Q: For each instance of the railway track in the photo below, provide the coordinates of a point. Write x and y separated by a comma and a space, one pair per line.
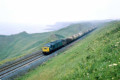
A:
12, 67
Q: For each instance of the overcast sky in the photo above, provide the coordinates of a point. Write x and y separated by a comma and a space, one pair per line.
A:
46, 12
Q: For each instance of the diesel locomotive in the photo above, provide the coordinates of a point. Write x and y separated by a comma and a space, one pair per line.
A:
55, 45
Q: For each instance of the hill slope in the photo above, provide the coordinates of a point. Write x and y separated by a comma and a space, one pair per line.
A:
97, 57
14, 46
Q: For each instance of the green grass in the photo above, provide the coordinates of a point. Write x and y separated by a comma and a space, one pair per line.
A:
15, 46
97, 57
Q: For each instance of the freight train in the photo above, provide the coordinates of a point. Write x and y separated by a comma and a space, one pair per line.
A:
55, 45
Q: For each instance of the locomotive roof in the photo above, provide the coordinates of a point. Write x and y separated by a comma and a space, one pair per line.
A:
52, 43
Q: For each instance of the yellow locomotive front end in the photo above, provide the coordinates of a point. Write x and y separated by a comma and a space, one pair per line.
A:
45, 49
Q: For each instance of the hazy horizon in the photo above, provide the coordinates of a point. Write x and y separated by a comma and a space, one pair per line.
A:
14, 28
40, 13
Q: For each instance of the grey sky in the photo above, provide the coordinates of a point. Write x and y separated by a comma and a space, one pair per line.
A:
44, 12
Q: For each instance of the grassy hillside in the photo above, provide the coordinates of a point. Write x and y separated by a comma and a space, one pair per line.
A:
97, 57
14, 46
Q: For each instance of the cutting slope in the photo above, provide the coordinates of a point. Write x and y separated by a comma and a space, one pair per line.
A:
97, 57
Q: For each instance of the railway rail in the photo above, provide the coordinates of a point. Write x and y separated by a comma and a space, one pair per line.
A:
11, 67
14, 64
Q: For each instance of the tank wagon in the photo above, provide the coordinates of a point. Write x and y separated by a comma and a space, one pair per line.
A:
55, 45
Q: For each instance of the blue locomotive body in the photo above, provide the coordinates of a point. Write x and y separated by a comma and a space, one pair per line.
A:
52, 46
